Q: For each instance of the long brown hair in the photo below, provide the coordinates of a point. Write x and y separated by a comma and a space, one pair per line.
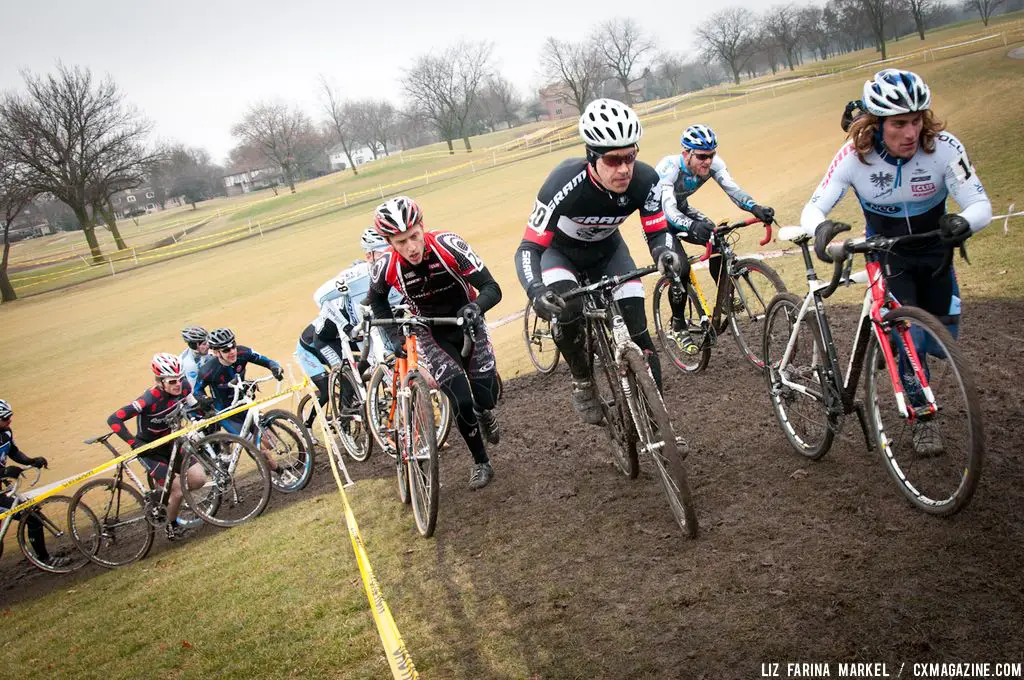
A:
865, 128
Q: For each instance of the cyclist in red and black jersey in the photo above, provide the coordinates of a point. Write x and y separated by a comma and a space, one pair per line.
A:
157, 414
574, 229
438, 274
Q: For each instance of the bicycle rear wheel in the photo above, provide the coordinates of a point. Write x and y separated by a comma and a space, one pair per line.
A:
799, 405
284, 439
658, 437
379, 405
673, 342
109, 524
540, 343
62, 553
236, 474
424, 475
936, 461
350, 415
754, 285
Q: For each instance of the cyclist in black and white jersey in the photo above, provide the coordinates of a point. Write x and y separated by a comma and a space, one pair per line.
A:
902, 165
680, 176
574, 229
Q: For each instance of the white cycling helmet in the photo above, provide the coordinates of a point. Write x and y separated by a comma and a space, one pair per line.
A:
166, 365
5, 410
611, 124
892, 92
699, 138
194, 334
372, 241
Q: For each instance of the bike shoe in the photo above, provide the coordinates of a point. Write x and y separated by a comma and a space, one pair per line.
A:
480, 475
175, 532
584, 400
927, 442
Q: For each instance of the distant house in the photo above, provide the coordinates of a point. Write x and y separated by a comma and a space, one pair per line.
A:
339, 161
242, 181
138, 201
557, 101
30, 223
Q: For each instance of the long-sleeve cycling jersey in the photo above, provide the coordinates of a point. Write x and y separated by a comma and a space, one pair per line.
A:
156, 412
8, 449
216, 375
341, 310
900, 196
449, 276
191, 362
676, 184
573, 210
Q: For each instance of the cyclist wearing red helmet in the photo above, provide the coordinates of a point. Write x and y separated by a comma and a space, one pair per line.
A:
438, 274
157, 414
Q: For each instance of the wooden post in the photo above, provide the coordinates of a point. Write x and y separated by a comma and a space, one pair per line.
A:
381, 191
344, 197
135, 255
110, 261
1006, 221
259, 225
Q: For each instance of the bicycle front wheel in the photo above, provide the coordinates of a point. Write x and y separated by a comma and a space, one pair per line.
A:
48, 522
285, 440
108, 523
936, 457
237, 479
540, 342
754, 285
380, 405
797, 390
689, 348
658, 437
350, 415
616, 412
424, 476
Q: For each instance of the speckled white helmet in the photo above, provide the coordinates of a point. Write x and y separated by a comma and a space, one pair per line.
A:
892, 92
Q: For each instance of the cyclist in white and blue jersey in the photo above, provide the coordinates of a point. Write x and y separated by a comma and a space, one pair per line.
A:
197, 353
902, 166
680, 176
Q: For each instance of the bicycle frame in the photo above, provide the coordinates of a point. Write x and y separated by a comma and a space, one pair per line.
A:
18, 499
839, 392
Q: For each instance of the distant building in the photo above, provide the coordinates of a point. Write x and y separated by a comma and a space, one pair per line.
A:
139, 201
242, 181
557, 101
339, 161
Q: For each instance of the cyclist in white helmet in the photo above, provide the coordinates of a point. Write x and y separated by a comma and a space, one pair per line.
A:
574, 229
902, 165
197, 353
680, 176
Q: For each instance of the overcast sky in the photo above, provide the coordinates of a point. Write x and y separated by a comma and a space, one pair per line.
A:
193, 66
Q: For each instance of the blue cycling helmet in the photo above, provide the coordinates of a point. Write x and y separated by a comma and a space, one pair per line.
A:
893, 92
699, 138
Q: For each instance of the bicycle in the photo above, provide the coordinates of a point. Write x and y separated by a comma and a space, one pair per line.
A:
114, 521
380, 404
540, 343
635, 415
47, 520
929, 389
279, 435
410, 422
744, 289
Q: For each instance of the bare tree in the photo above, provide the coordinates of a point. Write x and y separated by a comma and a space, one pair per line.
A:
501, 96
576, 66
877, 13
445, 87
334, 108
622, 46
125, 164
919, 9
67, 131
729, 37
279, 132
782, 24
14, 196
382, 123
984, 7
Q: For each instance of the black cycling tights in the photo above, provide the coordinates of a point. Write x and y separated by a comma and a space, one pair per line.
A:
35, 529
464, 392
571, 335
321, 396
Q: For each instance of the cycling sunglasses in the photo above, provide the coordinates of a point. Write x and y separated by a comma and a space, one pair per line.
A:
229, 348
616, 161
172, 381
703, 156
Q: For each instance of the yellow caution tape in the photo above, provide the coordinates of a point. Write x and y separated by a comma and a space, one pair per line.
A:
71, 481
402, 666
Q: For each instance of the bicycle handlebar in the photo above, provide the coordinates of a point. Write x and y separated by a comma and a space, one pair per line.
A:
609, 282
873, 244
468, 332
15, 482
725, 227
